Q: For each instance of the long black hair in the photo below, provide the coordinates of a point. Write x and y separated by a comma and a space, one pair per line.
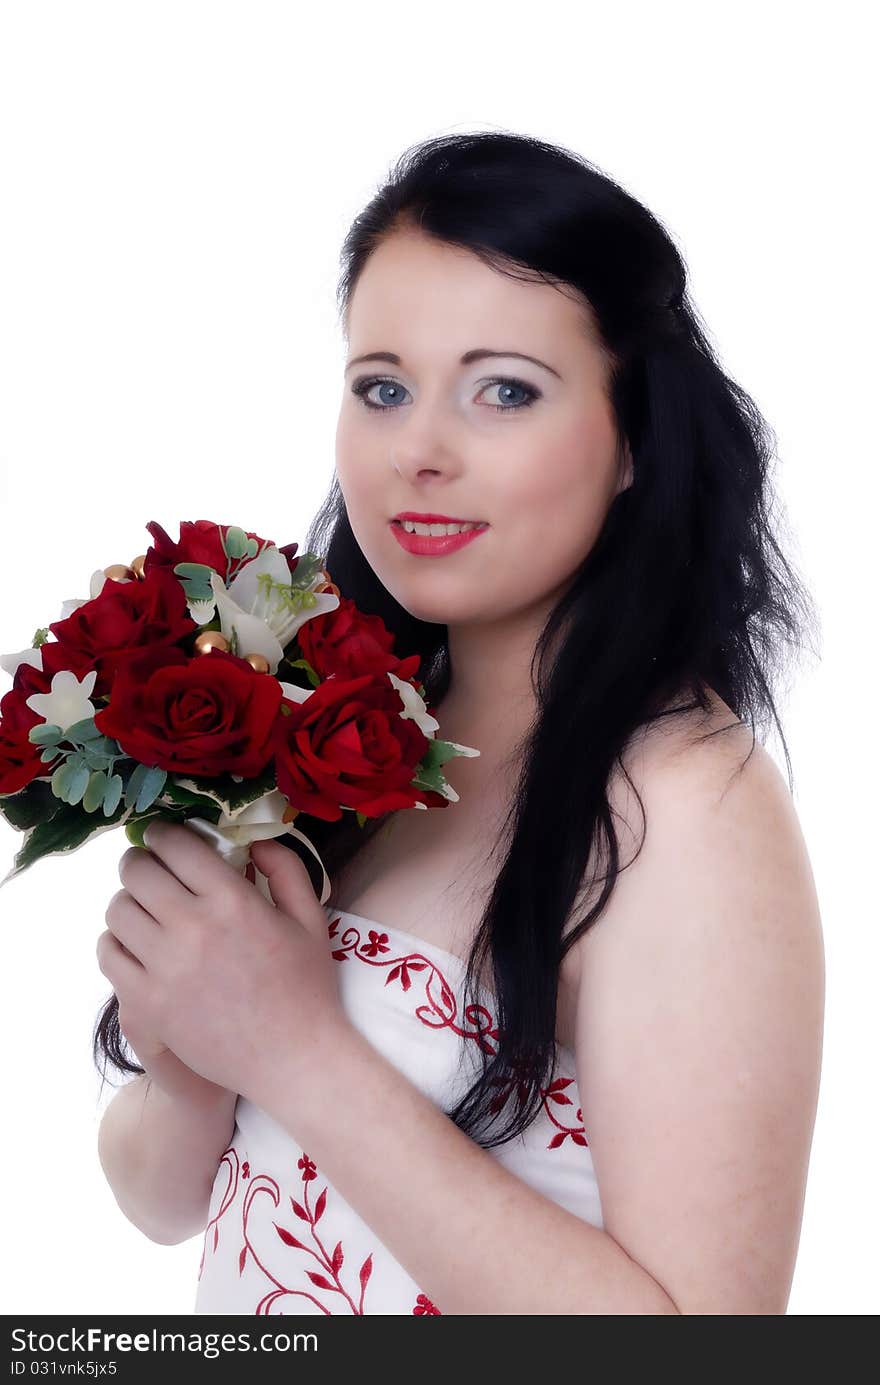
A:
686, 588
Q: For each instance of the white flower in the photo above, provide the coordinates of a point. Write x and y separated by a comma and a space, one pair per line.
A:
10, 662
201, 611
68, 702
263, 620
295, 694
414, 707
96, 586
34, 657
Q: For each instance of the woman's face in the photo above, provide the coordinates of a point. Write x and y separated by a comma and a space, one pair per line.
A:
447, 438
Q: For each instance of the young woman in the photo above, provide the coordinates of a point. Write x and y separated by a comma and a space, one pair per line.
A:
574, 1063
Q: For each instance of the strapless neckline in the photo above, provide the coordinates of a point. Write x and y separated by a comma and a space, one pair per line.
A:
421, 944
380, 927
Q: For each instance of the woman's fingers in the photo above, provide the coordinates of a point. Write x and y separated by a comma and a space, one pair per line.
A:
195, 862
135, 929
121, 969
151, 884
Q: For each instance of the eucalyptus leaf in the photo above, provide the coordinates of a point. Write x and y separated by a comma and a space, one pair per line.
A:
79, 782
133, 787
94, 794
50, 753
152, 786
236, 542
195, 591
198, 572
112, 794
46, 733
84, 730
60, 780
97, 758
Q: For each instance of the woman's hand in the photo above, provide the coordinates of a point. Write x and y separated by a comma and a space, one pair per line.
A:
205, 966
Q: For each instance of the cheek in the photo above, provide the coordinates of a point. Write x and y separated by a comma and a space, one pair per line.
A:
556, 504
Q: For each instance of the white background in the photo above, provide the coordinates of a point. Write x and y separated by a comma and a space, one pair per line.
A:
176, 179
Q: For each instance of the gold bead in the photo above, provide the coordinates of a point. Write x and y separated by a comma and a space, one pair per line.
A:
257, 662
210, 639
119, 572
137, 566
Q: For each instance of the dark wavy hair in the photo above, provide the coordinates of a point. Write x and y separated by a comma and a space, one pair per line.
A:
686, 587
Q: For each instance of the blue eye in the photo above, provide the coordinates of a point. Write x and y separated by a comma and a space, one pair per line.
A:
362, 388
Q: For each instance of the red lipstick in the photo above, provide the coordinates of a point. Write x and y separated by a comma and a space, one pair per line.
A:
428, 546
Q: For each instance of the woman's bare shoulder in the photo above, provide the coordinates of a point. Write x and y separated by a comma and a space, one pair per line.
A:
677, 767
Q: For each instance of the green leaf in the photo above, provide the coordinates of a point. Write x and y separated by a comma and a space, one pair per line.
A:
310, 672
196, 572
32, 804
60, 781
94, 794
307, 569
79, 782
235, 544
152, 786
65, 831
195, 594
224, 790
187, 799
50, 753
84, 730
361, 818
96, 757
144, 785
112, 794
136, 827
46, 733
437, 753
251, 550
133, 787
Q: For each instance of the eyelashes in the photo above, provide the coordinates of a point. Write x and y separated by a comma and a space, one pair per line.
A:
362, 388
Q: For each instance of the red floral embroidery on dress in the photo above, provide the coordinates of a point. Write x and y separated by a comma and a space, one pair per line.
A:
442, 1007
424, 1305
441, 1012
331, 1263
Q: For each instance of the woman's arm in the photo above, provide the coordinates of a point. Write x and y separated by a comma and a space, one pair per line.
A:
160, 1150
700, 1030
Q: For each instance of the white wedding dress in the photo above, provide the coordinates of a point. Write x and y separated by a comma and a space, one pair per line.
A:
280, 1238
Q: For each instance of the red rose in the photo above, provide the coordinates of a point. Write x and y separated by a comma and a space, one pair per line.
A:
28, 680
348, 744
347, 642
201, 541
208, 715
123, 620
20, 759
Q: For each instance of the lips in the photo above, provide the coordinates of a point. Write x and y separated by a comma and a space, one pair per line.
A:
431, 546
434, 519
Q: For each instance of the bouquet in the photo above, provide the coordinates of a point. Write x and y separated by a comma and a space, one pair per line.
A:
219, 681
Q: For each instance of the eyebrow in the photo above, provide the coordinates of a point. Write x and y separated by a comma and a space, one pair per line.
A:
480, 353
